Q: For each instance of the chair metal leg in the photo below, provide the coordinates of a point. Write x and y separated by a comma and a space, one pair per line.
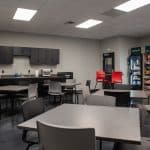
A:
95, 85
148, 99
29, 145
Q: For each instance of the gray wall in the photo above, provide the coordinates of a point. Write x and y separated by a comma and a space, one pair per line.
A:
144, 41
82, 56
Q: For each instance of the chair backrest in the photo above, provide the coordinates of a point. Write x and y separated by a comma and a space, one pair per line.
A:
70, 80
101, 100
54, 87
85, 93
100, 75
122, 98
116, 77
57, 138
32, 108
33, 91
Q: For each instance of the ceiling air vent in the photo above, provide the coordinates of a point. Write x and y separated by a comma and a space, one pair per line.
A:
69, 22
113, 13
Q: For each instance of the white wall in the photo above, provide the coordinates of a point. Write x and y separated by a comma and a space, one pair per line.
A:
78, 55
119, 45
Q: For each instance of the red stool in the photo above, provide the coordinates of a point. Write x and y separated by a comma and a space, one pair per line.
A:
116, 77
100, 76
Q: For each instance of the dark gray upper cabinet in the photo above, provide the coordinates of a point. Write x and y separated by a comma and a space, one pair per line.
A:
34, 58
41, 56
22, 51
37, 56
6, 55
48, 57
55, 56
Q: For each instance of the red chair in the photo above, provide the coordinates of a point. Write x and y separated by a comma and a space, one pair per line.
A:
116, 77
100, 76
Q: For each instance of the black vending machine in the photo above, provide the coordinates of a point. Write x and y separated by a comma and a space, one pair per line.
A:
135, 68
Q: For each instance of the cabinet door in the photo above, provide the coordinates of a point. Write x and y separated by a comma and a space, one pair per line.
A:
25, 51
42, 56
55, 56
6, 55
17, 51
48, 58
21, 51
34, 60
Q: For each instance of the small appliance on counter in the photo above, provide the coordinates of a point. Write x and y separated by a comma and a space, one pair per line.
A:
45, 72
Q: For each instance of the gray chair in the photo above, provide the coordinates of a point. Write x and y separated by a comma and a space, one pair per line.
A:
2, 97
145, 145
144, 119
71, 91
30, 109
88, 83
85, 93
55, 89
32, 92
101, 100
59, 138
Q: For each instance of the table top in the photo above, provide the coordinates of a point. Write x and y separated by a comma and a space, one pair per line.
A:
13, 88
110, 123
67, 84
70, 84
133, 93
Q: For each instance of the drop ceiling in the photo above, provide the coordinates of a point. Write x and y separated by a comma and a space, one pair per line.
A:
52, 15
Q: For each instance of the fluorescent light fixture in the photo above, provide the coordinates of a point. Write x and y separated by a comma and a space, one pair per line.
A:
132, 5
89, 23
24, 14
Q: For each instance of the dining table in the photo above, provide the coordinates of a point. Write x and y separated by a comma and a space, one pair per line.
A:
117, 124
11, 91
134, 94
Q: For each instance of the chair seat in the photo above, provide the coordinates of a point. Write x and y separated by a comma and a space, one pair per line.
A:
32, 136
145, 145
146, 108
26, 98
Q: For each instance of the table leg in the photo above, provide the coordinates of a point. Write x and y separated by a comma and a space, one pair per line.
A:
76, 96
116, 146
100, 144
0, 109
12, 104
148, 99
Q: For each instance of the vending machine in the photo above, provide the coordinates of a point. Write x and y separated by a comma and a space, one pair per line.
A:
135, 69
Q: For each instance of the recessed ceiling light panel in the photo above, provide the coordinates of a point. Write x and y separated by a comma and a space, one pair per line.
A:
24, 14
132, 5
89, 23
